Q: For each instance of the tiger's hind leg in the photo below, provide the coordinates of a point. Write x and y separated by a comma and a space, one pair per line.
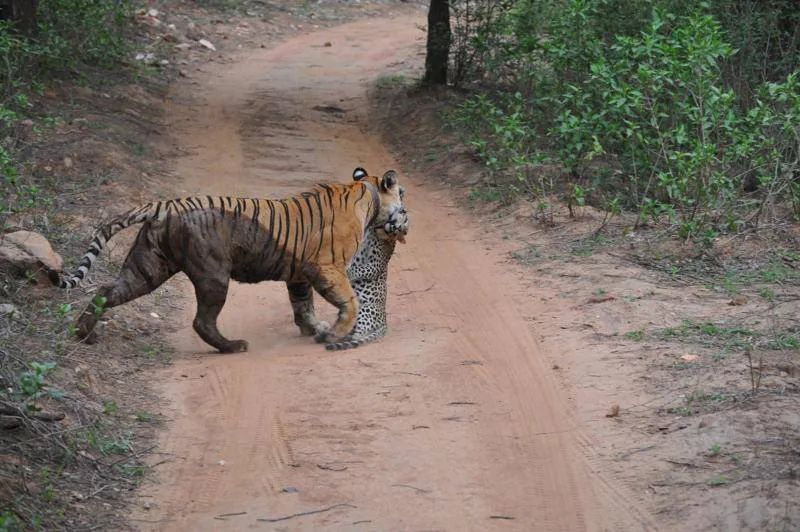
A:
144, 270
301, 295
211, 291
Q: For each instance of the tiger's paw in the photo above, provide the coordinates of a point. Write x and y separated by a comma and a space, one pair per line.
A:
84, 329
326, 337
235, 346
321, 327
314, 328
89, 338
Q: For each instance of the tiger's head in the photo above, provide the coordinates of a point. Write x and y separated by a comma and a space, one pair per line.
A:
392, 218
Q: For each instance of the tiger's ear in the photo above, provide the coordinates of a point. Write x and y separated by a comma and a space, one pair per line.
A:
389, 180
359, 174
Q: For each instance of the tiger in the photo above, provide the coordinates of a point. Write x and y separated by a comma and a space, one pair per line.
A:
368, 275
307, 241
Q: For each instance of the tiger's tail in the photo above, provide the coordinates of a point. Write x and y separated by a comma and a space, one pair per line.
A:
102, 236
355, 341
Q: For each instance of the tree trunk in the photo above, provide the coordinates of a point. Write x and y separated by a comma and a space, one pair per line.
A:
438, 48
21, 12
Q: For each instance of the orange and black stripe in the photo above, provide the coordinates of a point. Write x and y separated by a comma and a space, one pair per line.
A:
287, 233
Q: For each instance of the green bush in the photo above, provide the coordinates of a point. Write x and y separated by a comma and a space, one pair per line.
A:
70, 35
647, 118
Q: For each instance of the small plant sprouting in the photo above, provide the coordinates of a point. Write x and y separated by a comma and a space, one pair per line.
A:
719, 480
110, 407
32, 382
755, 372
143, 417
108, 444
63, 310
637, 336
99, 304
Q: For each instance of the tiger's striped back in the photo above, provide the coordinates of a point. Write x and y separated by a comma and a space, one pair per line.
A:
324, 224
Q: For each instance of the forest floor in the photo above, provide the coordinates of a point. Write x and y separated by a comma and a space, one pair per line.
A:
535, 377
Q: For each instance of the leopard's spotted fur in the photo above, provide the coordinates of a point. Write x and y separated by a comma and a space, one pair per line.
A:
368, 273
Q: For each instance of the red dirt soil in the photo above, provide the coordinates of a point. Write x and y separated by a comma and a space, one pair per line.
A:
454, 421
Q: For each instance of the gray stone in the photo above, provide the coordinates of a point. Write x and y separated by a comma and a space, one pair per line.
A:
25, 253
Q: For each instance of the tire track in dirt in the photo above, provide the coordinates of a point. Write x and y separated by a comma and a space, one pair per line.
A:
452, 419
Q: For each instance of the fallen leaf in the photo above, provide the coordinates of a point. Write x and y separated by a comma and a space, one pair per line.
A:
600, 299
738, 301
206, 43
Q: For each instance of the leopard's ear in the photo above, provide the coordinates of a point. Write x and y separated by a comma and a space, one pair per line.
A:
359, 174
389, 180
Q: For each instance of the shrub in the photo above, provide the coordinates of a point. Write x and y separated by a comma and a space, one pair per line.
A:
70, 35
650, 108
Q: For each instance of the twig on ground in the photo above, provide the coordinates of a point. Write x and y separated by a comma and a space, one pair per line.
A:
418, 490
300, 514
331, 468
222, 517
415, 291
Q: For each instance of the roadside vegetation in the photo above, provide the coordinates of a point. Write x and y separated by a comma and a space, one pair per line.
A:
642, 161
685, 114
71, 433
61, 40
82, 136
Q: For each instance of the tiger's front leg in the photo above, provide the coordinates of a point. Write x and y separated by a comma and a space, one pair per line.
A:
301, 295
335, 287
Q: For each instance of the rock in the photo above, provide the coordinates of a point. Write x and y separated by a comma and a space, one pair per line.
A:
738, 301
26, 253
194, 35
207, 44
147, 58
25, 130
86, 381
10, 422
7, 309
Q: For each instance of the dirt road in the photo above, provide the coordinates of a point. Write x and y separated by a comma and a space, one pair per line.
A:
452, 422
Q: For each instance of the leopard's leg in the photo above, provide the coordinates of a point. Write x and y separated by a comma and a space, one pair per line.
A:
301, 295
145, 269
